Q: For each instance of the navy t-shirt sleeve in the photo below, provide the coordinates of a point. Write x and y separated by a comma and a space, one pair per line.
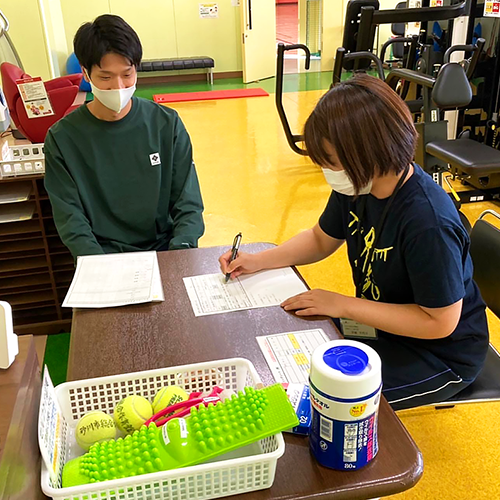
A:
434, 260
331, 221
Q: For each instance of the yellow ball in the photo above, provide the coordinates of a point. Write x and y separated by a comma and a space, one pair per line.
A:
168, 396
93, 427
131, 412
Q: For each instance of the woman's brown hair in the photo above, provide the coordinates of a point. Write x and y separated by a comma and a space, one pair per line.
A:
368, 125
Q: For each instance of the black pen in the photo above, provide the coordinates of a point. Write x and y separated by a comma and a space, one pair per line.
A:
234, 252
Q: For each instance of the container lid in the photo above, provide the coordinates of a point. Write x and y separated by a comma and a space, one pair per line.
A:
345, 369
347, 359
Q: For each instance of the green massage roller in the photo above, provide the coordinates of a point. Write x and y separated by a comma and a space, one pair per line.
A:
207, 432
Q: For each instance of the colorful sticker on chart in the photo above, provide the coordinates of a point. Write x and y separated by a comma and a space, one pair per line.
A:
294, 342
300, 359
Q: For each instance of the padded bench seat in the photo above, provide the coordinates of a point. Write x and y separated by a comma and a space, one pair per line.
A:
180, 63
470, 156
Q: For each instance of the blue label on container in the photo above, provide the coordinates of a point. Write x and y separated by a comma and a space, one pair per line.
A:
343, 445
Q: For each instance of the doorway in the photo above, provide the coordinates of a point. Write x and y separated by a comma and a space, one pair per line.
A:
299, 21
287, 21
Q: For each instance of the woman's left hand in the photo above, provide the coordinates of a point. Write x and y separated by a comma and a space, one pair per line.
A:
317, 303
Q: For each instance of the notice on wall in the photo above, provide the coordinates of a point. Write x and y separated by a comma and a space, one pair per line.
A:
492, 8
436, 3
34, 96
209, 10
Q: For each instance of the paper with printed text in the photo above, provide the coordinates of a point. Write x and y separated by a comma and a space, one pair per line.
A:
115, 280
209, 294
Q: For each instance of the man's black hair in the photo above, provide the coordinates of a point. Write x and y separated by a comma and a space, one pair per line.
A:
106, 34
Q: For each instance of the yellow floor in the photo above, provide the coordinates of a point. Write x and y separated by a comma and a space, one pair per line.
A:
252, 182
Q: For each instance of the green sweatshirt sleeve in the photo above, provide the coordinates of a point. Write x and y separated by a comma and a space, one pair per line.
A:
69, 215
186, 205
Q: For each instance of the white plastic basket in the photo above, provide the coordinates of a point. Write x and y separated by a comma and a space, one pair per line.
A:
248, 469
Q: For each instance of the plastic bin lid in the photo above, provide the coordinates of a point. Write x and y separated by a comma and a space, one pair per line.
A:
347, 359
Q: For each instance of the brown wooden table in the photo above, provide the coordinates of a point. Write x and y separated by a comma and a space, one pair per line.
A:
143, 337
20, 461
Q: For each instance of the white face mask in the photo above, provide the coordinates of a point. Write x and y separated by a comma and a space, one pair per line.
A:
115, 99
340, 182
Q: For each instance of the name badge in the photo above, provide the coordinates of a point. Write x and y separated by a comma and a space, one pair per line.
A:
354, 330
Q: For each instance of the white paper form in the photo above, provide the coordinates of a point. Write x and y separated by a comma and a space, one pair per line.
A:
115, 280
289, 354
209, 294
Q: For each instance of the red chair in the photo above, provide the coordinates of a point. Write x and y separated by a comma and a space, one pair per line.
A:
62, 92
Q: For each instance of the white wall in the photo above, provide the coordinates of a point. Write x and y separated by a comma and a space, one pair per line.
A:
27, 34
74, 17
168, 28
54, 35
333, 30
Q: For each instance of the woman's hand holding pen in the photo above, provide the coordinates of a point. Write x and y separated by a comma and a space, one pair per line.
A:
244, 263
307, 247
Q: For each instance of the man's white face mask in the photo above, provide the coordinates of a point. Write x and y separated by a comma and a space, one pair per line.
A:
115, 99
340, 182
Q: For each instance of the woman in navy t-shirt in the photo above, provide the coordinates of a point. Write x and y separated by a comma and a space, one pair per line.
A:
416, 303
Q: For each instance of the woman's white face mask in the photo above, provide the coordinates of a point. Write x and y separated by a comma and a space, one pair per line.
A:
340, 182
115, 99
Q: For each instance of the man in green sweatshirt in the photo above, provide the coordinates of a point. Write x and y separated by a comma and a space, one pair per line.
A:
119, 170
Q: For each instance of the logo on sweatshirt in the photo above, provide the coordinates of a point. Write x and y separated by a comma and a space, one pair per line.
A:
154, 158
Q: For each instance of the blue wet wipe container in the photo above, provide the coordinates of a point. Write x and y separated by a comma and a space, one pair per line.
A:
345, 388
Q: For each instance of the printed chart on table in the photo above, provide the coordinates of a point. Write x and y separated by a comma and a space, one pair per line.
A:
289, 354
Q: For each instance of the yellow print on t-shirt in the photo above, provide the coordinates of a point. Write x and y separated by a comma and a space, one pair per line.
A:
369, 284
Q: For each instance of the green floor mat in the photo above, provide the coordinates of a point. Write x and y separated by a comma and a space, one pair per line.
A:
56, 356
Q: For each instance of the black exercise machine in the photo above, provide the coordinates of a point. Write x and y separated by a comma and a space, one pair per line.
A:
293, 139
399, 43
362, 18
474, 163
471, 162
351, 29
449, 90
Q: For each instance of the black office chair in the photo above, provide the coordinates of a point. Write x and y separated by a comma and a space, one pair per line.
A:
485, 253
